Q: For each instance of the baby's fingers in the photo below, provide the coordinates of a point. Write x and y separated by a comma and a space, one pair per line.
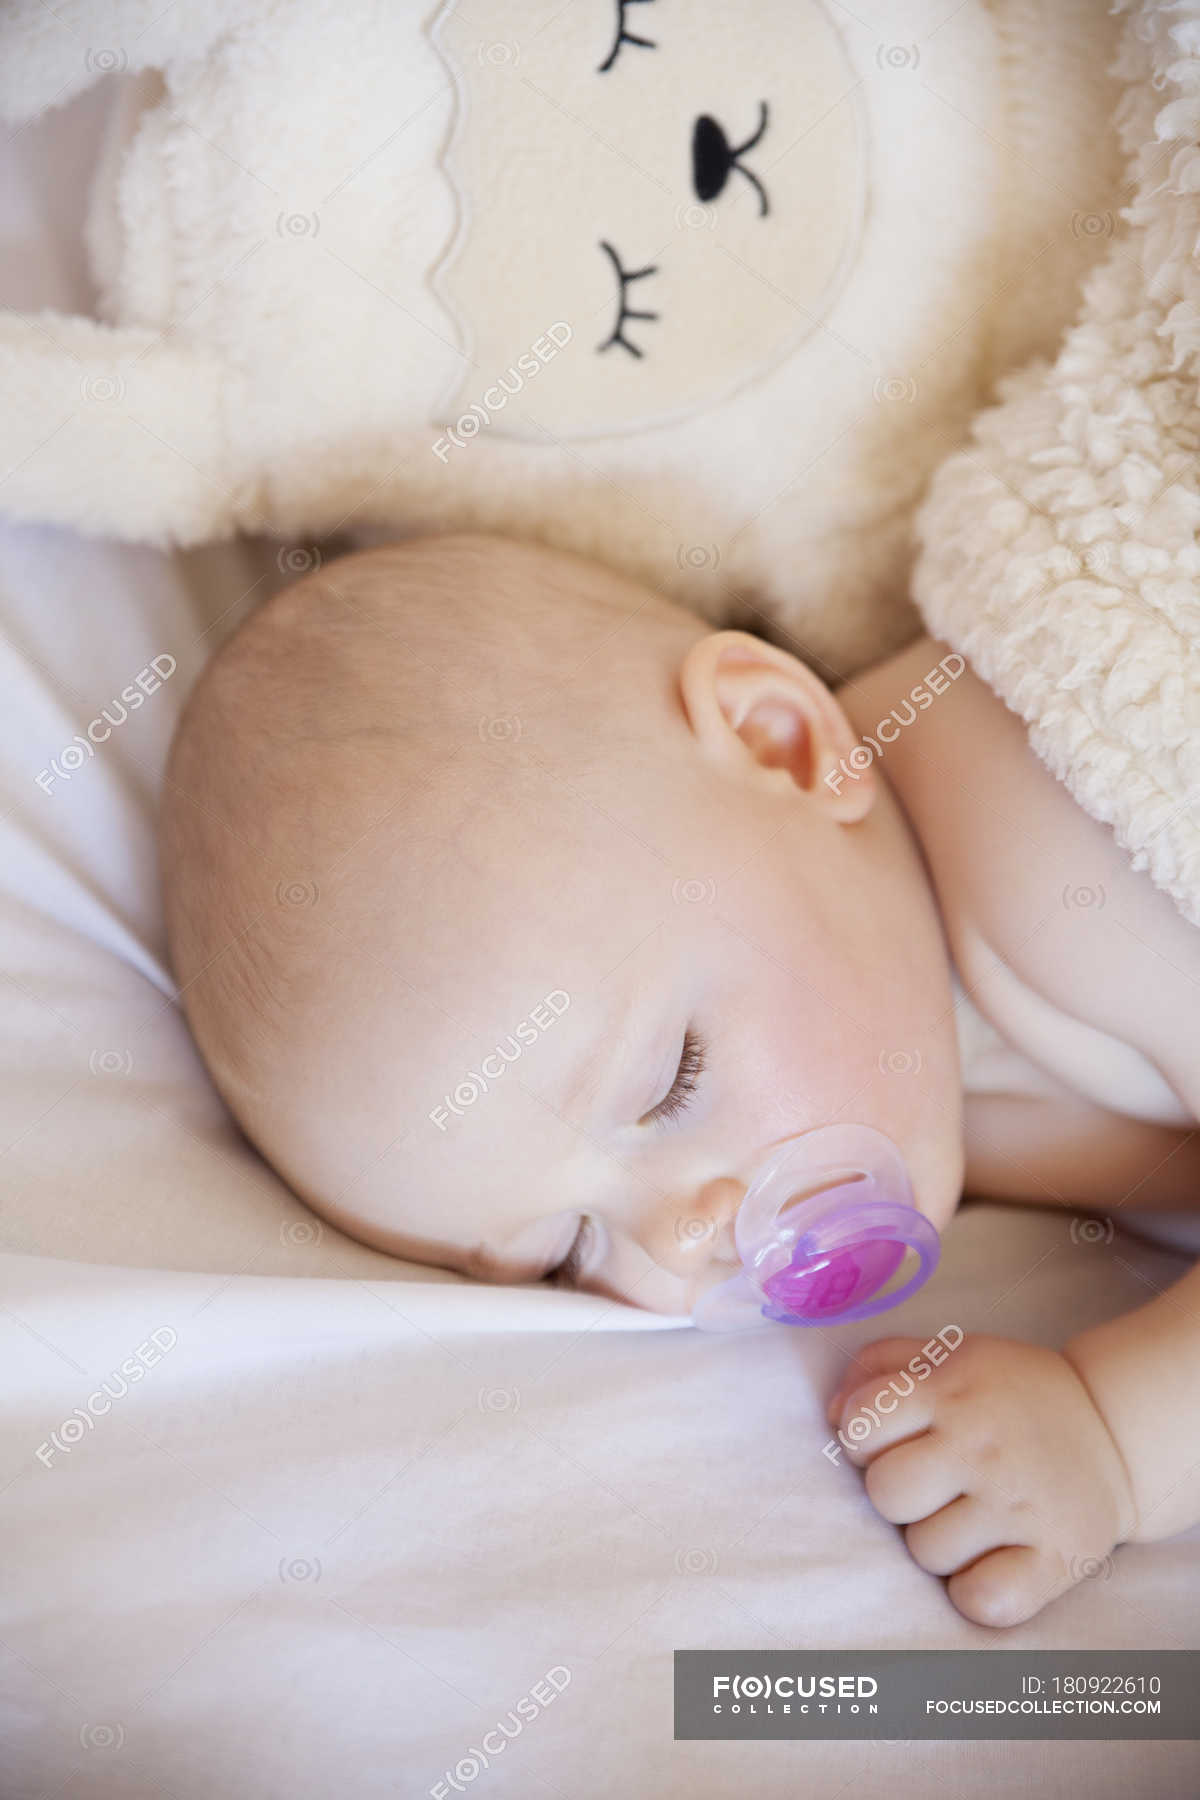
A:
956, 1535
885, 1356
876, 1415
1008, 1586
913, 1480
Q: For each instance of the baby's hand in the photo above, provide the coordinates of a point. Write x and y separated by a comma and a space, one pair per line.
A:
998, 1464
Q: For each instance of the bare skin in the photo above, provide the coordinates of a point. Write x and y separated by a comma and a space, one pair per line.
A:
722, 877
1014, 1468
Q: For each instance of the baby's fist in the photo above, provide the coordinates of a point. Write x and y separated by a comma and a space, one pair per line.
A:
997, 1463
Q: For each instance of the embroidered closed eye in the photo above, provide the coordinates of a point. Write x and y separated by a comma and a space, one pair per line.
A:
625, 312
625, 37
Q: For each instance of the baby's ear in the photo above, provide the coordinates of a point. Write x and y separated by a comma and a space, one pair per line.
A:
758, 711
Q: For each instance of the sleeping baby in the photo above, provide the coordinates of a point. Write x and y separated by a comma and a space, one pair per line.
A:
518, 914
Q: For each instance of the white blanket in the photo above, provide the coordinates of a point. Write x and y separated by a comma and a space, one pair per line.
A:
351, 1511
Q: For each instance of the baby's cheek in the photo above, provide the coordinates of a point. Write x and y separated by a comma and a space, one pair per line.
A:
793, 1071
802, 1042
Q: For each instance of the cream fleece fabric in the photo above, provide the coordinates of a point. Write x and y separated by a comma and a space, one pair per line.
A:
761, 264
1059, 551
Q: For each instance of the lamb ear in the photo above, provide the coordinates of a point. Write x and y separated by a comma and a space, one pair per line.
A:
116, 432
45, 62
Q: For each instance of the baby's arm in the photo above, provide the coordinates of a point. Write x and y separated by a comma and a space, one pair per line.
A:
1015, 1469
1142, 1371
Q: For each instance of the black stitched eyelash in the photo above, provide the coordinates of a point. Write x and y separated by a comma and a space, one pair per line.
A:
625, 37
692, 1064
625, 311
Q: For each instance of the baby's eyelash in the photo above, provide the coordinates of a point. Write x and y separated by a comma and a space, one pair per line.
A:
625, 37
624, 311
693, 1061
692, 1064
568, 1271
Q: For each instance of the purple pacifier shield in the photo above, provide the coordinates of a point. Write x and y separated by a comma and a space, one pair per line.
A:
822, 1285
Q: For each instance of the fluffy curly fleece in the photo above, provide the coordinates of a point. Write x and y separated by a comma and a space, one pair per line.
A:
1059, 551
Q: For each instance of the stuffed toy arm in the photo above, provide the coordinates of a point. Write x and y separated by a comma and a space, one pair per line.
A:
112, 429
106, 428
48, 55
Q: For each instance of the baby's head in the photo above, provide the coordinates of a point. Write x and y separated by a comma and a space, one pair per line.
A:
504, 894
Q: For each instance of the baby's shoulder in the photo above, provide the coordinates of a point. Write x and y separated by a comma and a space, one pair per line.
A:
1078, 957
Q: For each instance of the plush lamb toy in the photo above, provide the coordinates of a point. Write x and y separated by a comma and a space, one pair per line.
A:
702, 290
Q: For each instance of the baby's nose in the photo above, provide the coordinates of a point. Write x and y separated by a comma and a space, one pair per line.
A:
703, 1229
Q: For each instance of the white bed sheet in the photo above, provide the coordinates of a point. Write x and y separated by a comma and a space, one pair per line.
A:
358, 1509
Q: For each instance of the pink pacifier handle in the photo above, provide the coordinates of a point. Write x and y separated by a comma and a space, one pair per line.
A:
823, 1228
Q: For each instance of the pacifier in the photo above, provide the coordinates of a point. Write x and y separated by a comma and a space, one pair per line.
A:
822, 1231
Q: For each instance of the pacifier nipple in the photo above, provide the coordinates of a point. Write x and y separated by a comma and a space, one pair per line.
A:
824, 1227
